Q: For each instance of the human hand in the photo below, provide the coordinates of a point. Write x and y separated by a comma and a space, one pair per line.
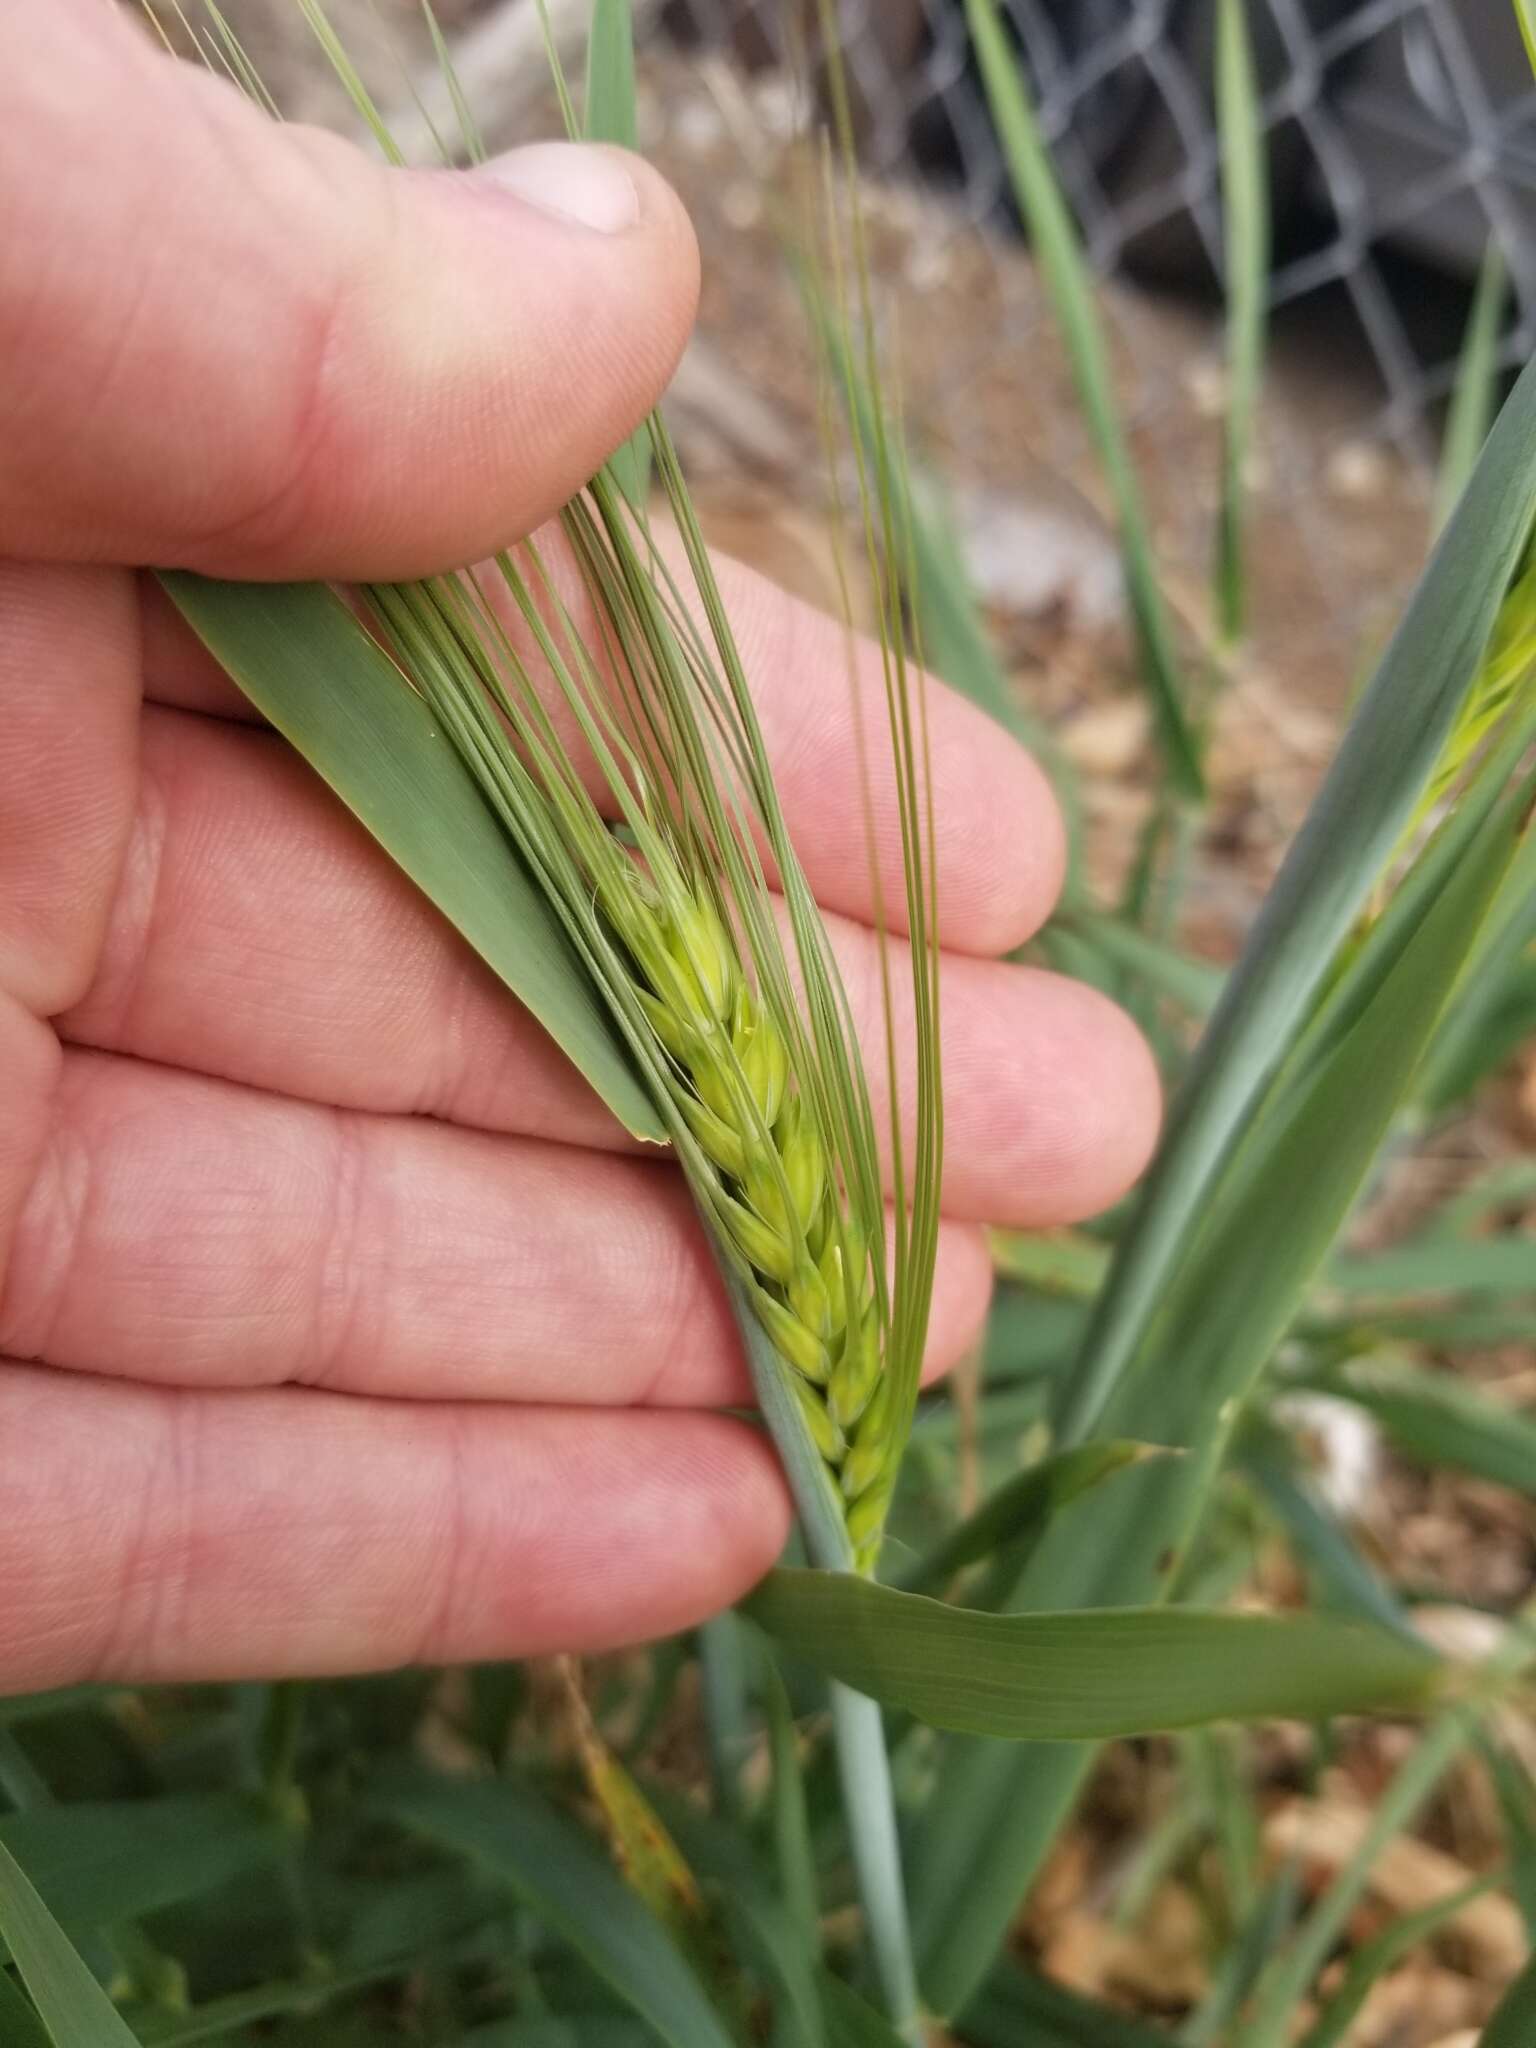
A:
340, 1326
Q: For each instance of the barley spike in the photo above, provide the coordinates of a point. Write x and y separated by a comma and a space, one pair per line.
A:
771, 1191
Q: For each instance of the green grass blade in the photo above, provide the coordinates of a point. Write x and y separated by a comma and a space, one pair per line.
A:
1476, 388
1525, 14
1237, 1970
1067, 1263
1193, 984
609, 116
1247, 1272
794, 1853
1286, 1982
850, 2022
1017, 2008
563, 1878
1501, 1186
224, 2019
1427, 1266
610, 97
763, 1931
1338, 1574
1386, 759
101, 1863
1495, 1008
72, 2005
1059, 254
20, 2026
1383, 1952
723, 1654
1070, 1677
1216, 1325
1496, 1016
1017, 1513
869, 1802
1440, 1420
306, 664
1245, 235
1514, 2024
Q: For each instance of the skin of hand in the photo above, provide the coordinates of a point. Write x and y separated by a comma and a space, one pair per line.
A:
339, 1326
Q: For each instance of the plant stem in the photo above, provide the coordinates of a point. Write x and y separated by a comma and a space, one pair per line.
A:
869, 1802
869, 1807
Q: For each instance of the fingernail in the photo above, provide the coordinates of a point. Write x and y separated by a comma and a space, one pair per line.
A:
570, 181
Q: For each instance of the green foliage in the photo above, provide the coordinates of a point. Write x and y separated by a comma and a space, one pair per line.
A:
565, 1879
1474, 398
1065, 271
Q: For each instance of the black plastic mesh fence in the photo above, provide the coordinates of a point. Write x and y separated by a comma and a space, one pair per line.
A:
1402, 138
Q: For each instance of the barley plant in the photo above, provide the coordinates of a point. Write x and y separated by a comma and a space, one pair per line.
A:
561, 749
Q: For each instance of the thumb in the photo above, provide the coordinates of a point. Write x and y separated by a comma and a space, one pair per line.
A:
247, 349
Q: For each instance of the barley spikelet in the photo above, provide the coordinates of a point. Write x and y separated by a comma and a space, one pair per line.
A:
775, 1192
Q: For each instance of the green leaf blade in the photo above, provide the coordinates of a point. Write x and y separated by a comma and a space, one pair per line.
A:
1514, 2024
98, 1864
1091, 1675
1067, 277
1353, 828
312, 671
1245, 211
562, 1877
72, 2005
